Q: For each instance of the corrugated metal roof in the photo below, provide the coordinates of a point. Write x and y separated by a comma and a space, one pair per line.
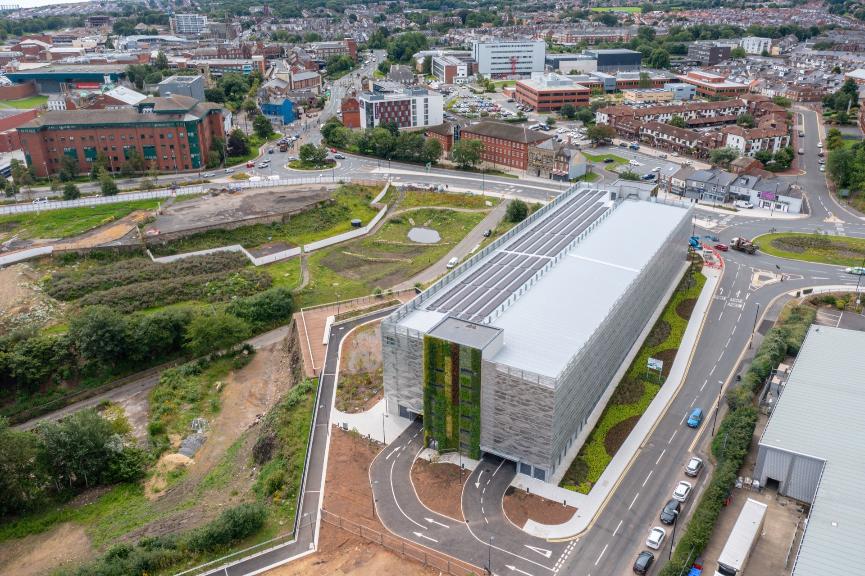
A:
821, 414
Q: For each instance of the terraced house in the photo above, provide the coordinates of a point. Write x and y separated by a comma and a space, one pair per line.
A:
173, 133
516, 352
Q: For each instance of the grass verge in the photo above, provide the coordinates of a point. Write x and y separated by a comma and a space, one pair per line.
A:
616, 160
68, 221
837, 250
304, 165
635, 392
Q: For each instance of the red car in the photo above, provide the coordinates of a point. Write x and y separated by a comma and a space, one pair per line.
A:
722, 247
333, 150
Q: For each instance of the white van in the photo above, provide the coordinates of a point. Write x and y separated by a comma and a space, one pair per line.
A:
453, 262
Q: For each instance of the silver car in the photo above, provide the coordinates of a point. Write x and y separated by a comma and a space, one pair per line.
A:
693, 467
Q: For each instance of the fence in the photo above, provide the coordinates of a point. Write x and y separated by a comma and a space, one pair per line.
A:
404, 548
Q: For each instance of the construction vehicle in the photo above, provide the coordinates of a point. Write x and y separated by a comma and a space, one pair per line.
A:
743, 245
283, 146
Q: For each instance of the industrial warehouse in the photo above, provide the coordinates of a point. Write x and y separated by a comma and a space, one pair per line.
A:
811, 449
515, 352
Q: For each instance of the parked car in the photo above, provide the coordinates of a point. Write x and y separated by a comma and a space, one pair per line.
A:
721, 247
822, 167
264, 164
670, 511
41, 201
208, 175
682, 491
250, 164
608, 160
648, 176
487, 233
743, 204
656, 538
695, 418
693, 467
656, 169
339, 156
452, 263
333, 150
643, 562
229, 170
857, 270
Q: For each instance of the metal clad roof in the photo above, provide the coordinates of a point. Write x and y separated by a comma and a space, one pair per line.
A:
820, 414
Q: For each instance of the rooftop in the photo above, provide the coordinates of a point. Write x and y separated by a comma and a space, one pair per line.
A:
505, 131
819, 414
563, 271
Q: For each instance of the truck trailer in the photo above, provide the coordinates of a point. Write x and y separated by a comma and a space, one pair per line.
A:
743, 538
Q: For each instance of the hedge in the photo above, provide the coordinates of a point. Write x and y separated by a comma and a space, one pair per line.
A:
733, 441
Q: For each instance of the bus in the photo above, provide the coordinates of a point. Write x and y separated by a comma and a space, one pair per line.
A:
743, 538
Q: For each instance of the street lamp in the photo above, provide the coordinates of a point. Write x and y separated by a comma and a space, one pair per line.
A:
372, 497
490, 554
717, 406
753, 330
673, 535
858, 281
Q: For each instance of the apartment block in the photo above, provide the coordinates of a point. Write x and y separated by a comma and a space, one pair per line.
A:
509, 58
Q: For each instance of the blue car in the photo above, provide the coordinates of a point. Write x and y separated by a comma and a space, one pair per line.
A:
695, 418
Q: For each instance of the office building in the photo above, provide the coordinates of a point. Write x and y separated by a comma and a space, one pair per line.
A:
811, 449
324, 51
192, 86
515, 352
173, 133
711, 85
189, 24
509, 59
571, 63
547, 92
616, 60
408, 108
454, 68
709, 53
756, 45
505, 144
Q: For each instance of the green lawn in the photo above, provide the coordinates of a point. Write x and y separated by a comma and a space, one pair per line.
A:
599, 158
350, 201
302, 165
255, 143
25, 103
634, 393
285, 273
68, 221
838, 250
385, 259
628, 9
588, 177
421, 198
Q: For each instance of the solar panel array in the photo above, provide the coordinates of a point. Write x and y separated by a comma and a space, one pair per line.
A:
475, 295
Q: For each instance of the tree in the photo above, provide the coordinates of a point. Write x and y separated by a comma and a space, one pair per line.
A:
21, 483
312, 154
427, 66
101, 335
568, 111
645, 80
517, 211
136, 161
71, 192
629, 175
551, 120
467, 153
215, 94
659, 58
213, 332
738, 52
834, 139
431, 151
382, 141
20, 173
607, 19
646, 33
585, 115
69, 168
238, 144
677, 121
78, 448
161, 60
107, 185
723, 156
841, 166
842, 117
782, 101
401, 48
600, 133
262, 126
250, 107
745, 120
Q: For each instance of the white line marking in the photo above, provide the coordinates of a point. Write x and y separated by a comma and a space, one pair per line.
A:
712, 370
682, 421
497, 469
542, 551
478, 481
637, 495
395, 501
515, 569
647, 478
704, 385
661, 456
433, 521
616, 531
673, 436
694, 401
421, 535
601, 555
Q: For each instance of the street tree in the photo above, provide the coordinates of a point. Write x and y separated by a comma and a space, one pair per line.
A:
467, 153
238, 143
262, 126
517, 211
834, 139
723, 156
107, 185
71, 192
312, 154
600, 133
568, 111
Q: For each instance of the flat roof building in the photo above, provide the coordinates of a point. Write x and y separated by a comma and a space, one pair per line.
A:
616, 59
192, 86
713, 85
811, 449
515, 351
509, 58
407, 107
546, 92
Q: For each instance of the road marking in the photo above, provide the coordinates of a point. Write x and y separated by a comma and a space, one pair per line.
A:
673, 436
616, 531
421, 535
515, 569
644, 482
482, 509
704, 384
728, 341
542, 551
661, 456
433, 521
637, 495
721, 356
682, 421
497, 469
478, 482
395, 501
392, 452
694, 401
601, 555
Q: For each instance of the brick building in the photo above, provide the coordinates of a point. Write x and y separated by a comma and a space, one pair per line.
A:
545, 92
350, 112
174, 133
504, 144
323, 51
9, 121
712, 85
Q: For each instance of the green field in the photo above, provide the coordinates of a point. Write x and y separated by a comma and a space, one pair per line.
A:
628, 9
384, 259
25, 103
68, 221
838, 250
599, 158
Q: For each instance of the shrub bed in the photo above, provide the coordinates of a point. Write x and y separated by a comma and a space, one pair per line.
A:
625, 405
735, 433
838, 250
73, 284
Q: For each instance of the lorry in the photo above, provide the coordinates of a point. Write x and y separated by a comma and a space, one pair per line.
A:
743, 245
742, 539
283, 146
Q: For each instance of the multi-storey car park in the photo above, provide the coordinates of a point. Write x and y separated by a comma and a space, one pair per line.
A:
515, 352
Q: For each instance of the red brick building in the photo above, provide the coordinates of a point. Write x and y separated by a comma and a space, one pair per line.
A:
545, 92
504, 144
9, 121
350, 112
173, 133
712, 85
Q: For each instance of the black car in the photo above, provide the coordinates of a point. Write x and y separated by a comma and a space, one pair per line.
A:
487, 233
670, 511
643, 562
608, 160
